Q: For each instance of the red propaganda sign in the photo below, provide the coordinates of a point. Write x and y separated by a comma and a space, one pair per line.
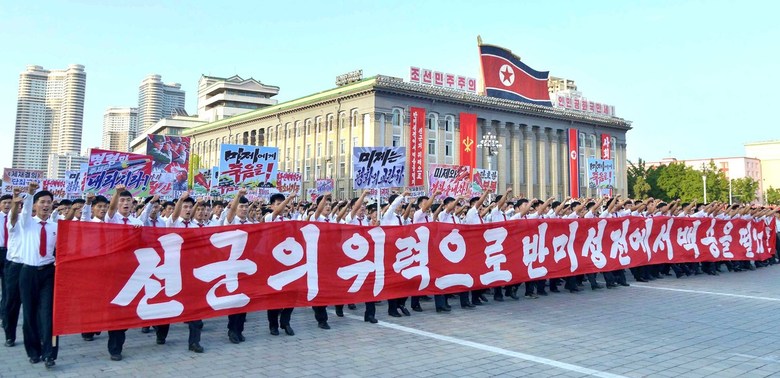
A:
606, 147
468, 136
151, 276
417, 147
574, 164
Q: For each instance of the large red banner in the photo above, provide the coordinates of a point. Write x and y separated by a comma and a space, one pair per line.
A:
417, 146
468, 136
574, 164
115, 276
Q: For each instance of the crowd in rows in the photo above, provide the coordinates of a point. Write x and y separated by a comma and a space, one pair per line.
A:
29, 238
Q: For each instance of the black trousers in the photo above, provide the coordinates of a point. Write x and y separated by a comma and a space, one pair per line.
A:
12, 299
440, 301
195, 327
320, 313
36, 285
116, 339
279, 317
394, 304
370, 309
3, 253
236, 323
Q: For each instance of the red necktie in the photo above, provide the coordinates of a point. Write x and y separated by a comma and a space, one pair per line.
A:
186, 224
124, 220
327, 220
154, 222
242, 221
400, 222
200, 225
480, 218
42, 248
504, 215
453, 219
426, 219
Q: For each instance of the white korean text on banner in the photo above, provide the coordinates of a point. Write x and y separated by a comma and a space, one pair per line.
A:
483, 180
450, 180
19, 179
378, 167
417, 146
289, 183
601, 173
247, 166
170, 164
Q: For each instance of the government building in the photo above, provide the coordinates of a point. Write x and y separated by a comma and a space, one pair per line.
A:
315, 134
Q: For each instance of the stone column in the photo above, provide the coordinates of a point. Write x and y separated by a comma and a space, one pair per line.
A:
554, 165
543, 164
501, 163
530, 160
517, 162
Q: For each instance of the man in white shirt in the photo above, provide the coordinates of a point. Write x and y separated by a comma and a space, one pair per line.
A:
150, 215
276, 317
475, 215
37, 238
119, 212
322, 214
357, 215
182, 218
12, 301
5, 208
392, 217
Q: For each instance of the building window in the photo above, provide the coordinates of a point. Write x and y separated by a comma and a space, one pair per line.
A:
330, 122
307, 174
330, 148
433, 121
318, 122
354, 118
431, 146
397, 121
342, 120
319, 150
396, 141
308, 127
308, 151
448, 148
297, 154
343, 146
354, 141
583, 161
343, 169
449, 123
287, 155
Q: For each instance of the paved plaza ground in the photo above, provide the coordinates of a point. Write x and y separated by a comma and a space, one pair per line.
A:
724, 326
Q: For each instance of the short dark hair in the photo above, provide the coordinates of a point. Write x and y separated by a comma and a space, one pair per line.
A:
520, 202
447, 201
100, 199
78, 201
189, 200
243, 200
421, 199
6, 197
168, 203
42, 193
276, 197
472, 200
125, 193
392, 198
149, 199
66, 202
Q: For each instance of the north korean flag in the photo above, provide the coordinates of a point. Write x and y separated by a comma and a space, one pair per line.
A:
505, 76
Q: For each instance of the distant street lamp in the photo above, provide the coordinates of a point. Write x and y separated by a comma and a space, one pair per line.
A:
490, 144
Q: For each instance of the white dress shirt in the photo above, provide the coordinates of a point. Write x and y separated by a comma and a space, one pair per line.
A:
27, 231
4, 231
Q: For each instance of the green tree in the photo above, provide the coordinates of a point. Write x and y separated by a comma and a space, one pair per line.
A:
744, 189
773, 196
640, 188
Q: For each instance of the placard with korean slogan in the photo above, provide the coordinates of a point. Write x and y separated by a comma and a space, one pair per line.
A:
247, 166
378, 167
107, 169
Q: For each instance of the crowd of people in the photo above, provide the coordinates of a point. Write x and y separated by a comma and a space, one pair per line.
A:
27, 243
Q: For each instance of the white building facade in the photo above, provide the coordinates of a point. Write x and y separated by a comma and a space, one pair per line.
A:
220, 98
49, 116
157, 100
120, 126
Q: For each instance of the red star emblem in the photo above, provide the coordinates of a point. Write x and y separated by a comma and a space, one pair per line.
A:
507, 75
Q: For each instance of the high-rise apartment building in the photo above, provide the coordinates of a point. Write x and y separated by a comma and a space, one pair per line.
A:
49, 115
157, 100
220, 98
120, 126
